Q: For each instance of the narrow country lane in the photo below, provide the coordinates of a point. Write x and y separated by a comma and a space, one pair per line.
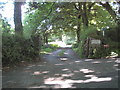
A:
64, 71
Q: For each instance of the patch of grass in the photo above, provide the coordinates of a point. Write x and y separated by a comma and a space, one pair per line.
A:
54, 45
61, 53
75, 49
49, 48
46, 50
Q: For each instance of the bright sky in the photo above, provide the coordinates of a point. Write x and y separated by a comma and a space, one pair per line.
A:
8, 12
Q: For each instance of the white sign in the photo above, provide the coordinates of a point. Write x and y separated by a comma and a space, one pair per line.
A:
95, 41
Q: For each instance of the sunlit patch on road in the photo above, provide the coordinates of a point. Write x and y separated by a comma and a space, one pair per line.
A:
58, 64
67, 75
68, 83
44, 72
116, 65
65, 69
86, 70
89, 75
77, 61
96, 79
36, 73
96, 62
66, 53
88, 59
63, 59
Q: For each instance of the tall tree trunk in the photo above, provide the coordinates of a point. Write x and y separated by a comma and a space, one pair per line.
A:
79, 9
85, 24
46, 38
17, 18
78, 30
84, 15
82, 9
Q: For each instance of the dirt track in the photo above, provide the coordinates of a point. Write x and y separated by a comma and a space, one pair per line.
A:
53, 72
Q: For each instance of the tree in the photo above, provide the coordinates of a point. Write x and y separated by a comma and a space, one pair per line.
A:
81, 18
17, 18
38, 19
115, 15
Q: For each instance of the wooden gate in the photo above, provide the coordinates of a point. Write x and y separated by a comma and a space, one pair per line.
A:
90, 45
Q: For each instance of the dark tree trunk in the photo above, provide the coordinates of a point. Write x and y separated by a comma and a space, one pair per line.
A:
79, 9
78, 31
82, 8
84, 15
46, 38
78, 35
17, 18
85, 23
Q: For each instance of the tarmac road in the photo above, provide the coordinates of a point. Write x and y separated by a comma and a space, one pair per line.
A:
65, 71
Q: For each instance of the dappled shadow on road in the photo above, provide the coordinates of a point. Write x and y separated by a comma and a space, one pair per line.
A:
65, 72
67, 78
66, 81
69, 83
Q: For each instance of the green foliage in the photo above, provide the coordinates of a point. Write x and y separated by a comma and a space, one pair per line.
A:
112, 34
48, 48
80, 49
101, 52
112, 38
6, 28
16, 49
75, 45
54, 46
61, 53
101, 18
63, 18
75, 49
37, 18
86, 32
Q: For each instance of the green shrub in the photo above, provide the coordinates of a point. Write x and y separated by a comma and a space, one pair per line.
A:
16, 49
75, 45
101, 52
75, 49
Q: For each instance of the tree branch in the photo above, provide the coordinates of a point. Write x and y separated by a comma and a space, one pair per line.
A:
76, 7
91, 7
109, 9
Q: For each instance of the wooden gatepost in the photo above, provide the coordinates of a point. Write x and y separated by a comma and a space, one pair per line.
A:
90, 45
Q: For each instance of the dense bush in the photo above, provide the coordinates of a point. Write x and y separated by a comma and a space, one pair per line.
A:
101, 52
16, 49
75, 45
112, 37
